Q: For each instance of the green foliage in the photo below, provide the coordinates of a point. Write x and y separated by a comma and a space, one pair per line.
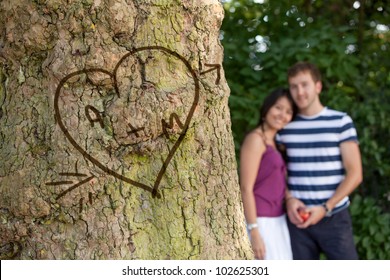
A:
371, 229
350, 45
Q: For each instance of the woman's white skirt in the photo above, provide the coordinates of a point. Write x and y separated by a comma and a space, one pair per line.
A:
276, 237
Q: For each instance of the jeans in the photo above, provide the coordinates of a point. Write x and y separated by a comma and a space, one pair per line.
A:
332, 236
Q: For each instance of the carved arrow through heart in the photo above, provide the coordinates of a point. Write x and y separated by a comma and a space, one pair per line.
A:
113, 77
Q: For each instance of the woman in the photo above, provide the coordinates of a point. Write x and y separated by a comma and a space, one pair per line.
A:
263, 179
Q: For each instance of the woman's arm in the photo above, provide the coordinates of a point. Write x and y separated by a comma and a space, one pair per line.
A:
251, 153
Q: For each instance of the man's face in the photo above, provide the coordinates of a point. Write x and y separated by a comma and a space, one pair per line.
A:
305, 91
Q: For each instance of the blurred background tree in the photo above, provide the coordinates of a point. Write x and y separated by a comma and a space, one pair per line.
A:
348, 40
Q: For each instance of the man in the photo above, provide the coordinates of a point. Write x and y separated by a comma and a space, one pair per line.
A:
324, 167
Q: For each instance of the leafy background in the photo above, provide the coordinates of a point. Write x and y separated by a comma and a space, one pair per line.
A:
349, 42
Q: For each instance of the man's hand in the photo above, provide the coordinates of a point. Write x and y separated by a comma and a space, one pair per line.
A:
317, 213
294, 212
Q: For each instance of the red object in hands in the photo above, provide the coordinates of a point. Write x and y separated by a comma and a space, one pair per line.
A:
303, 213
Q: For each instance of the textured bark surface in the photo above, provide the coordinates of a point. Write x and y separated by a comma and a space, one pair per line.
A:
115, 138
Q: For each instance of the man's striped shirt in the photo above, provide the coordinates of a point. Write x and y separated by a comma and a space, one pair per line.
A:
315, 166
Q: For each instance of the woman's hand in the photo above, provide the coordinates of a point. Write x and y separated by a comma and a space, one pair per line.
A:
293, 205
258, 245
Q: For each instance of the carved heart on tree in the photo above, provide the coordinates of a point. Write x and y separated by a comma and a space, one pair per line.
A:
144, 105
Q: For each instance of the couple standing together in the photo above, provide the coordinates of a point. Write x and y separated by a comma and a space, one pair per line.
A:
323, 168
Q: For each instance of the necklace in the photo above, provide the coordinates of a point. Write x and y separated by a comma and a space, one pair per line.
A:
265, 138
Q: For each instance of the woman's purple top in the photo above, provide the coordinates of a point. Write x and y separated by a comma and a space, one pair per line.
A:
270, 184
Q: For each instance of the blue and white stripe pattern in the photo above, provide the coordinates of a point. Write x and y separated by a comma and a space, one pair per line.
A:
315, 166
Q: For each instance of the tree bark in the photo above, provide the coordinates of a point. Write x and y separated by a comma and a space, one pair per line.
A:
115, 132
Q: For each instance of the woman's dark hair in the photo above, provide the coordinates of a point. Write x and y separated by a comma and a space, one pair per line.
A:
270, 101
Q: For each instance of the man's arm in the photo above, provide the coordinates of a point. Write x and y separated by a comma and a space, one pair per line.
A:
352, 162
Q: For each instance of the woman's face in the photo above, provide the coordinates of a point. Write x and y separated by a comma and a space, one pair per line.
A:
279, 114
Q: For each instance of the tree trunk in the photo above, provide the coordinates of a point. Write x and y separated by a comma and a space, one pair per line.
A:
115, 132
